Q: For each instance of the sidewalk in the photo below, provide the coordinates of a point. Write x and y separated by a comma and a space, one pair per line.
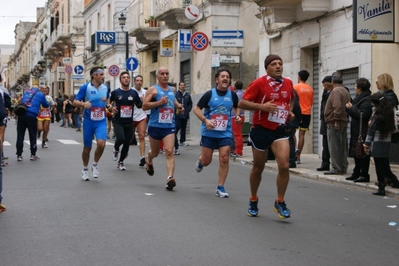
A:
309, 163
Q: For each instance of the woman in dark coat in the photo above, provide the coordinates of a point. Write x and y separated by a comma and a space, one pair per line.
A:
360, 105
385, 85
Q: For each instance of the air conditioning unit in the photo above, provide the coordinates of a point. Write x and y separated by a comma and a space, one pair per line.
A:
60, 73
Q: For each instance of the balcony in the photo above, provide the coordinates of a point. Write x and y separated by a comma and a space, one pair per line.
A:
60, 38
138, 28
288, 11
172, 12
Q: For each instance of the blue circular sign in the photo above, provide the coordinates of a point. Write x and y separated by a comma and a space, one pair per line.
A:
132, 63
78, 69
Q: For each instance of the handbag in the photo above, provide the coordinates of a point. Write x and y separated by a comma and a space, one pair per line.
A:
359, 149
22, 108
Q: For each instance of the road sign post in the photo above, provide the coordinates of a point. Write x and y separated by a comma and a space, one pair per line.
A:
132, 63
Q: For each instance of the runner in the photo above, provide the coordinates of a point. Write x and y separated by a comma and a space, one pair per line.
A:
94, 98
272, 99
124, 100
140, 118
216, 129
44, 117
160, 99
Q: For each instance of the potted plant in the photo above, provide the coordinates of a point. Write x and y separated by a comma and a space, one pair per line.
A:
151, 21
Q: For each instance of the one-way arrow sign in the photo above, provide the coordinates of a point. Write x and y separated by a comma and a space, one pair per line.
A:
228, 34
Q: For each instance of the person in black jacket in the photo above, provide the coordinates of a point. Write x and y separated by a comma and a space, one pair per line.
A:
325, 154
361, 105
181, 119
385, 85
292, 125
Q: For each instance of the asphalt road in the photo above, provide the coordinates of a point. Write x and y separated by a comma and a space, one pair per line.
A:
128, 218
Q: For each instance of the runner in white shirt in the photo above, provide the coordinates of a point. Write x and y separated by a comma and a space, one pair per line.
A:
140, 118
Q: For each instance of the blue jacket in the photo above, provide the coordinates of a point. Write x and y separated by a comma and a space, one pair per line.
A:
34, 104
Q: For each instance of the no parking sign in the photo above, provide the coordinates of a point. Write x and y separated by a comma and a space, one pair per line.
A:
113, 70
199, 41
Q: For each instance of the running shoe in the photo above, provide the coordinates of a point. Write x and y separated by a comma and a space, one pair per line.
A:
115, 155
253, 210
20, 158
198, 166
34, 157
94, 171
170, 183
282, 210
121, 167
183, 144
85, 175
219, 192
142, 161
44, 145
177, 152
2, 208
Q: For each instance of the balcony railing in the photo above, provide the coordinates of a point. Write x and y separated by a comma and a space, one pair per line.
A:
165, 5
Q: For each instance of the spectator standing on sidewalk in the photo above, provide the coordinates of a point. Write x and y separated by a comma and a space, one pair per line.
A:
216, 128
325, 154
385, 85
238, 124
337, 120
306, 97
184, 98
272, 99
94, 98
378, 140
361, 106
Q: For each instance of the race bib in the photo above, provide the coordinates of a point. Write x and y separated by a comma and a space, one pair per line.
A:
126, 111
44, 113
97, 114
165, 115
219, 122
279, 116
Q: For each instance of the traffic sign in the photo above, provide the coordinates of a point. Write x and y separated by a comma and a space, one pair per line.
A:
68, 69
227, 34
78, 69
199, 41
113, 70
184, 37
132, 63
192, 12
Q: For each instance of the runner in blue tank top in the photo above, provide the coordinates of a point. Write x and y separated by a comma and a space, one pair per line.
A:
160, 99
216, 129
94, 98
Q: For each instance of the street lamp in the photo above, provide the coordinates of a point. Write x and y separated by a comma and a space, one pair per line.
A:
122, 23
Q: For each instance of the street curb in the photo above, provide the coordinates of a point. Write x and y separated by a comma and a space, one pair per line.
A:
335, 179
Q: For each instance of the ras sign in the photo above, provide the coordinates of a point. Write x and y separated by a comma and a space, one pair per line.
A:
105, 37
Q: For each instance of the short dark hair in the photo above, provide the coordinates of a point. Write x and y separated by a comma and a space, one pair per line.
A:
217, 74
336, 78
304, 75
182, 82
138, 76
124, 73
238, 84
363, 84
